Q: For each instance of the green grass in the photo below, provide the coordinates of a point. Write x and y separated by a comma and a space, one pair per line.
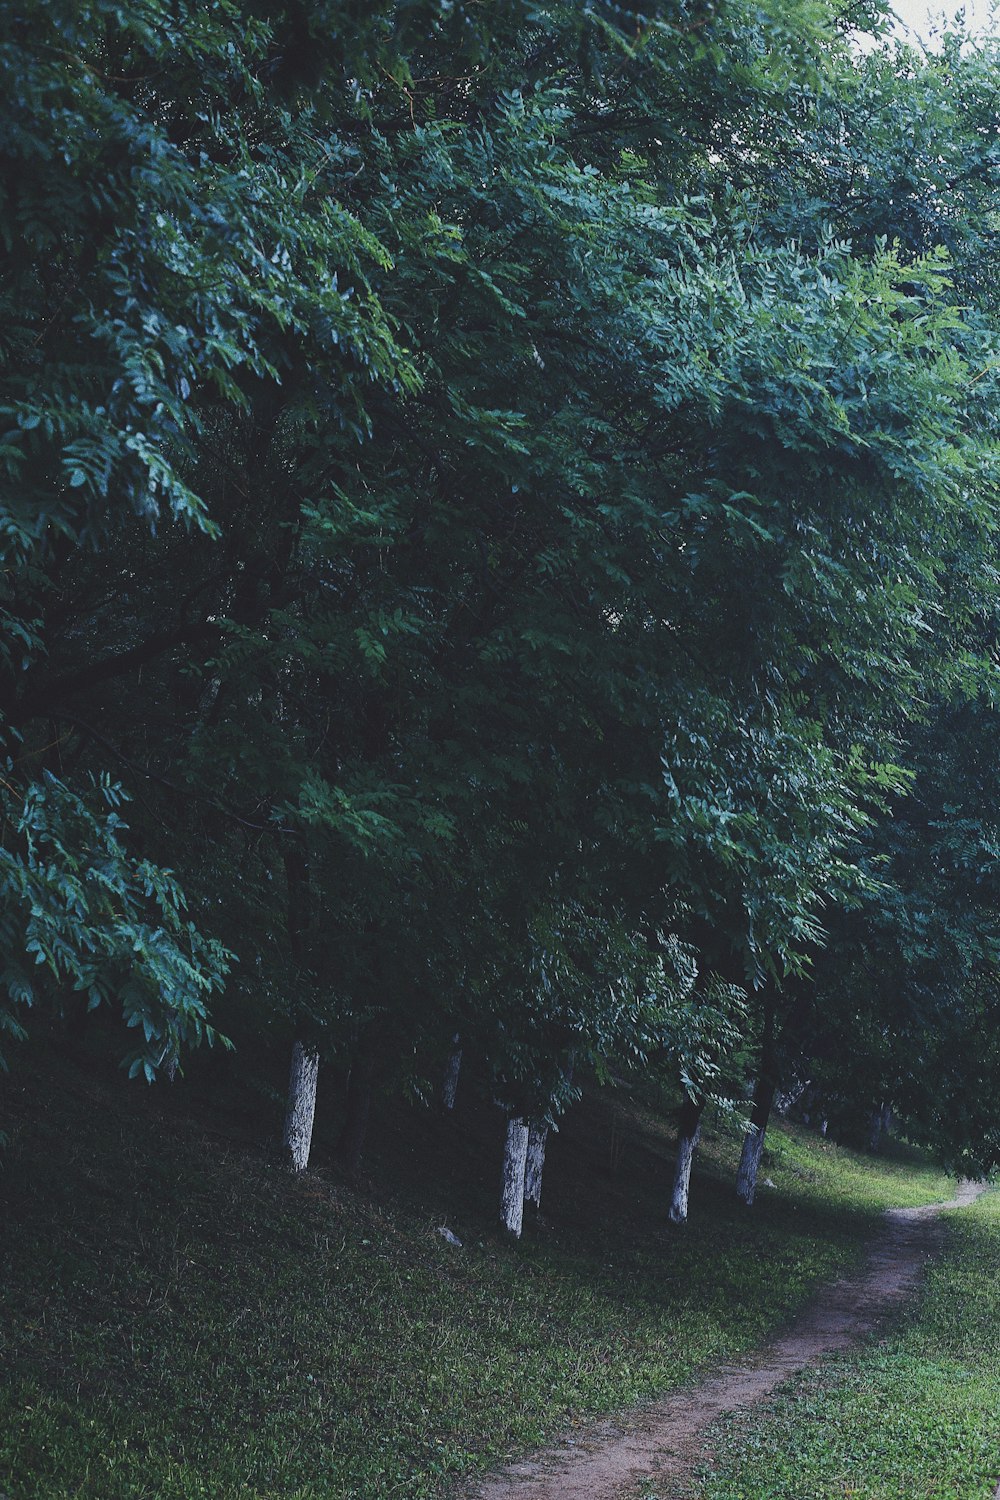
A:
180, 1319
911, 1417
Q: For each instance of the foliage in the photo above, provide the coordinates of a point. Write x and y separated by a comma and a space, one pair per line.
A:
910, 978
510, 533
89, 918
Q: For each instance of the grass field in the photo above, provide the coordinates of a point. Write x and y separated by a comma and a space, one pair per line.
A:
181, 1319
913, 1416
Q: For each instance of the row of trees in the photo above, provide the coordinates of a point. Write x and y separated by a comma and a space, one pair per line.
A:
507, 496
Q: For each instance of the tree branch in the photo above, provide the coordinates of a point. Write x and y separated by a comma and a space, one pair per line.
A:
155, 776
70, 684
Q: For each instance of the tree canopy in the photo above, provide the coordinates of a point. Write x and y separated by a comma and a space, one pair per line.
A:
499, 530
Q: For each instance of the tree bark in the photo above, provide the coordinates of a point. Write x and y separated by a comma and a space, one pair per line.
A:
878, 1126
763, 1098
538, 1135
78, 1019
689, 1135
304, 1071
354, 1133
753, 1141
301, 1106
298, 902
512, 1185
449, 1088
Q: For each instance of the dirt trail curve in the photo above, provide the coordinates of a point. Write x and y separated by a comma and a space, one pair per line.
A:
663, 1440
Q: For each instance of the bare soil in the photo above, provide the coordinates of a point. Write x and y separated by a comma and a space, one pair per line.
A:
665, 1439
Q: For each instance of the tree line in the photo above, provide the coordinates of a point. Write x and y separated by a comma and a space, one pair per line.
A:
499, 530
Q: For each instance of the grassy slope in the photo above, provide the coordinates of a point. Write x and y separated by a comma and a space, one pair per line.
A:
911, 1417
181, 1319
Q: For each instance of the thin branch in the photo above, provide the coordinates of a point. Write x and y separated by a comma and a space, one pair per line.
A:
155, 776
72, 683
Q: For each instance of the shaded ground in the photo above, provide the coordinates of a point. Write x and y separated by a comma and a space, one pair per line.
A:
664, 1440
181, 1319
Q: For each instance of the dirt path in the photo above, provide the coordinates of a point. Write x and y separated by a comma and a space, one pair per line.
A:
664, 1439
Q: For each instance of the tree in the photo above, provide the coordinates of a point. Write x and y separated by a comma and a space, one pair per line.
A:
500, 524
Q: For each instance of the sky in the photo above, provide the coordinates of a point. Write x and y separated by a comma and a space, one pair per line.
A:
918, 15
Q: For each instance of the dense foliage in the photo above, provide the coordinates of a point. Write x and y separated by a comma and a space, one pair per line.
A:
509, 493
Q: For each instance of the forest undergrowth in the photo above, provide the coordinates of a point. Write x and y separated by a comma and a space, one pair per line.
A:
183, 1319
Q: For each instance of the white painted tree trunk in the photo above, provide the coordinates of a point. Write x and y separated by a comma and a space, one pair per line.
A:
301, 1106
450, 1086
763, 1099
512, 1190
538, 1135
686, 1148
753, 1150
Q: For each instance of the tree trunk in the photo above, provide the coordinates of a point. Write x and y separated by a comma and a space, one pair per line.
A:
512, 1189
763, 1098
538, 1138
689, 1135
354, 1133
298, 901
753, 1150
301, 1106
876, 1121
538, 1135
450, 1086
78, 1019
